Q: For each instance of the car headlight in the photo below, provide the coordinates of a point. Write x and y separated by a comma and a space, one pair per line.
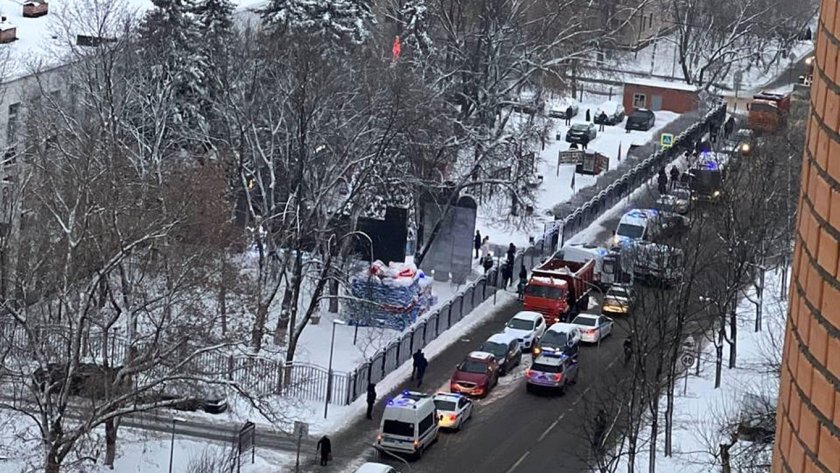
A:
745, 148
716, 194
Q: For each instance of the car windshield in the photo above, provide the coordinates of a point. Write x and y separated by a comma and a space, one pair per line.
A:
589, 322
520, 324
617, 293
629, 231
553, 339
395, 427
442, 405
579, 128
497, 349
639, 116
706, 178
545, 368
472, 366
546, 292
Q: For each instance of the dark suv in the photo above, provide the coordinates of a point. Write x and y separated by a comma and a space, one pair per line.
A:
506, 349
641, 119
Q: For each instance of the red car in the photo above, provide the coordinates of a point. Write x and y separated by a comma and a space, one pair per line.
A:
476, 375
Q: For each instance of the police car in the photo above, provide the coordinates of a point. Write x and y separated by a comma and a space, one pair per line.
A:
551, 371
453, 410
635, 225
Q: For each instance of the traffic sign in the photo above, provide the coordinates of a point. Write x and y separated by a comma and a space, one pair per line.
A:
666, 140
687, 360
301, 429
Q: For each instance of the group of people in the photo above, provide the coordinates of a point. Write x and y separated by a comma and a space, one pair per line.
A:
482, 250
665, 185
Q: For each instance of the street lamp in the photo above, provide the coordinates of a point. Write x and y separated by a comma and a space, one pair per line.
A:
172, 441
329, 367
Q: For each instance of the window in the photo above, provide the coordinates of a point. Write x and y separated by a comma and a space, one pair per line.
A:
395, 427
630, 231
472, 366
11, 127
426, 424
639, 101
442, 405
546, 368
546, 292
553, 339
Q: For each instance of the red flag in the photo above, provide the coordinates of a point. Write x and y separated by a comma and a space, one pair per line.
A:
573, 181
619, 152
395, 50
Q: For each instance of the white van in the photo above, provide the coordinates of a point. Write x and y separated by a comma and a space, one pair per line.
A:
636, 225
409, 424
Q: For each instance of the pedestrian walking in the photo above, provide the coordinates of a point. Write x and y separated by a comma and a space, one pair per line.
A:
599, 430
675, 176
523, 273
422, 364
371, 399
485, 247
477, 243
728, 127
588, 117
507, 274
511, 254
487, 262
713, 132
324, 447
662, 181
415, 362
602, 118
569, 115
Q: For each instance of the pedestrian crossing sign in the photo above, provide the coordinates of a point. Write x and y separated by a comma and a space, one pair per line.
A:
666, 140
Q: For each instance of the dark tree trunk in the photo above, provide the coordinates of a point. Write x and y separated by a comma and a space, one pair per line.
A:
733, 335
110, 442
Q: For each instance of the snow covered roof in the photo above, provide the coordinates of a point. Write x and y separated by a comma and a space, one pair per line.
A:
528, 315
662, 84
42, 42
480, 355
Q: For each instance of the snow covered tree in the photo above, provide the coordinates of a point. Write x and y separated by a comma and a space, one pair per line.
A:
336, 21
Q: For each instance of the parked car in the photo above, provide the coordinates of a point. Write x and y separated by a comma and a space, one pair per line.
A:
677, 201
505, 347
617, 300
613, 110
453, 410
559, 338
527, 327
593, 327
560, 109
476, 375
551, 371
87, 380
581, 133
375, 468
641, 119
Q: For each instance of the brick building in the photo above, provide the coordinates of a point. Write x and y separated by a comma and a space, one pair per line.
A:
655, 94
808, 414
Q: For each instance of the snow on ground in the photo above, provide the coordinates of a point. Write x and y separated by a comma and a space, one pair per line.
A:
137, 451
699, 414
342, 416
660, 59
556, 186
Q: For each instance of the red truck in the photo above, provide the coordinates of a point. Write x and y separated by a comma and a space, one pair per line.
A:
768, 111
558, 288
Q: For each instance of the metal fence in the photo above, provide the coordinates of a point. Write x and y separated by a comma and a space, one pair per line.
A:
263, 376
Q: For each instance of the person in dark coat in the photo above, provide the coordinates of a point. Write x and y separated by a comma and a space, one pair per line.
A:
371, 399
588, 117
684, 179
584, 143
662, 180
507, 274
569, 112
603, 119
324, 447
487, 263
477, 242
523, 280
422, 364
675, 176
415, 362
511, 254
728, 127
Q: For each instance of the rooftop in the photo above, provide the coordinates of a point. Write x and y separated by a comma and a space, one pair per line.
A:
44, 42
662, 84
481, 355
528, 315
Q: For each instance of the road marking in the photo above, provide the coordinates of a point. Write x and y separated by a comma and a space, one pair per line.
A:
611, 363
521, 459
550, 427
582, 395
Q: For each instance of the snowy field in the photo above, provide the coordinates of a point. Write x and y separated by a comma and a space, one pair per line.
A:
556, 186
701, 413
137, 451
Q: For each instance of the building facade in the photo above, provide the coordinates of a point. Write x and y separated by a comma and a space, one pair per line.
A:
659, 95
808, 414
